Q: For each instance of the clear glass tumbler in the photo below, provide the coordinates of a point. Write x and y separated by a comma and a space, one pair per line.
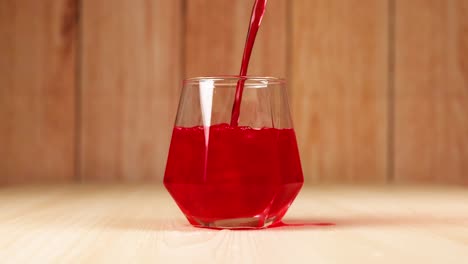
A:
224, 176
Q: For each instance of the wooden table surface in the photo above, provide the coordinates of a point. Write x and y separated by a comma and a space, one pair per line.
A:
141, 224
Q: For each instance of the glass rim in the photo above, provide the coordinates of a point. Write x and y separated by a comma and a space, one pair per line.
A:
269, 79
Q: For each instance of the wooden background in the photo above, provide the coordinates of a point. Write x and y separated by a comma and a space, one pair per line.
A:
89, 88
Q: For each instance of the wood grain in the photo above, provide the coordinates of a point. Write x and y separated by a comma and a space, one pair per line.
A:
215, 38
141, 224
431, 95
134, 54
339, 76
131, 77
37, 76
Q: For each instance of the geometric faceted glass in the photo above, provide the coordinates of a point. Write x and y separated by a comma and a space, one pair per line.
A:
224, 176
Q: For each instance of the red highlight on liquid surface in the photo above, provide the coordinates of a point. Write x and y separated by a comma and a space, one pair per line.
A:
223, 174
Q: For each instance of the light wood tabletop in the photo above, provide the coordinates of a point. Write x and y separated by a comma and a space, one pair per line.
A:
141, 224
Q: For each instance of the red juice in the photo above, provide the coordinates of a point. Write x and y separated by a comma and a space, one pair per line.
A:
256, 17
240, 173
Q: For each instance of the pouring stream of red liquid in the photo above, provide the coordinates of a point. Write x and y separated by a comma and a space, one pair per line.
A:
255, 20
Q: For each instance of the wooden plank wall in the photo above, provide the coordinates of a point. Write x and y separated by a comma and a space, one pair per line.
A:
339, 78
378, 87
431, 91
215, 37
131, 75
37, 90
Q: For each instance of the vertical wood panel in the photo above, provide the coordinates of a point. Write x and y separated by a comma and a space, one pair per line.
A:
37, 76
215, 38
339, 79
431, 96
130, 83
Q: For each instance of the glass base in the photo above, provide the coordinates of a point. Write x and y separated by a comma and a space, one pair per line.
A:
235, 223
234, 206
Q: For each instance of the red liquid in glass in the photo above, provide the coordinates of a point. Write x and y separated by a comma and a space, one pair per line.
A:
248, 173
255, 20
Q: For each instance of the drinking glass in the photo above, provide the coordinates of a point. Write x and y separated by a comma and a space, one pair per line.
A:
233, 176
